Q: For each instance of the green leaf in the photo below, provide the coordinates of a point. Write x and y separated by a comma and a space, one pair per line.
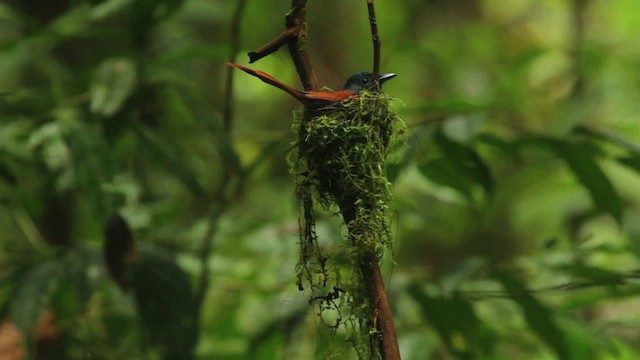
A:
444, 172
538, 317
507, 148
6, 172
118, 248
609, 136
101, 9
166, 304
460, 167
580, 157
581, 160
467, 159
93, 166
114, 82
631, 161
414, 143
455, 321
33, 296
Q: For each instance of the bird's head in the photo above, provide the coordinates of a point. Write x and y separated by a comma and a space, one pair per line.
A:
364, 80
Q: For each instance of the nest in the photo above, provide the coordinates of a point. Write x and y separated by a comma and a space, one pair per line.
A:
339, 160
342, 149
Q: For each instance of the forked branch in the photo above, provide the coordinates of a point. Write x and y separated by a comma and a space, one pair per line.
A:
295, 36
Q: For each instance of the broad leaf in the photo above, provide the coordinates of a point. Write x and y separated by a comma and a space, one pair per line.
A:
119, 249
459, 167
93, 166
456, 323
7, 174
444, 172
631, 161
114, 82
467, 159
166, 304
582, 163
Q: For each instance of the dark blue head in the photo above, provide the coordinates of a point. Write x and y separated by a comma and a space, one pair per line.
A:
364, 80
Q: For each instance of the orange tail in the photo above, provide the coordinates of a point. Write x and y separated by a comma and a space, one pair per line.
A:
271, 81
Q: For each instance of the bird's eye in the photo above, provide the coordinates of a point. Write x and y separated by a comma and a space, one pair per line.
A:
365, 81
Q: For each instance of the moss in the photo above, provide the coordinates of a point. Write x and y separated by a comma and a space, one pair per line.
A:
342, 149
339, 161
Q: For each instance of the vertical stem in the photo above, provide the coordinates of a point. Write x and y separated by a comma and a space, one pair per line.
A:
579, 7
374, 287
374, 37
369, 266
296, 17
229, 185
227, 118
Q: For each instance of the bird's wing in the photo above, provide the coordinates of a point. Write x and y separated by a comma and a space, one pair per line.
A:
333, 97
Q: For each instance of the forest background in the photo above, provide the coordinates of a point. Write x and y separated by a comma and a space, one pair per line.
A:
517, 194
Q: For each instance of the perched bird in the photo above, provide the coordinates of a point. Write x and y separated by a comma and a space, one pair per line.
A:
317, 98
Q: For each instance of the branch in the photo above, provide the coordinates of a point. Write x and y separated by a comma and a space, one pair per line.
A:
374, 37
295, 36
298, 45
273, 45
383, 327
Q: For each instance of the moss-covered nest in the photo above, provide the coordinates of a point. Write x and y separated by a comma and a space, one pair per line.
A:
341, 149
339, 160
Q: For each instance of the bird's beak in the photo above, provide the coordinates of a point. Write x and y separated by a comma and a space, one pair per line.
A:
385, 77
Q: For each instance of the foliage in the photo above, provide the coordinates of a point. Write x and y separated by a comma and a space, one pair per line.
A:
515, 198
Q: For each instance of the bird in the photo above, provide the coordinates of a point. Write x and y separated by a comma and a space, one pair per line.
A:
317, 98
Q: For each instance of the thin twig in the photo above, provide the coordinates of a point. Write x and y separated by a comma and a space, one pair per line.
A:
230, 189
619, 281
230, 185
235, 47
578, 50
375, 37
221, 201
273, 45
369, 266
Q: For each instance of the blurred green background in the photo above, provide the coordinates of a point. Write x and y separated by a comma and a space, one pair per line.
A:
517, 195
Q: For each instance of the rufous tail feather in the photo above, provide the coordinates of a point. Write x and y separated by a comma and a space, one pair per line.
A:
271, 81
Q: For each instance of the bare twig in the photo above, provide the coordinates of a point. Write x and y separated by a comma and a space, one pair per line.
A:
273, 45
375, 37
235, 47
